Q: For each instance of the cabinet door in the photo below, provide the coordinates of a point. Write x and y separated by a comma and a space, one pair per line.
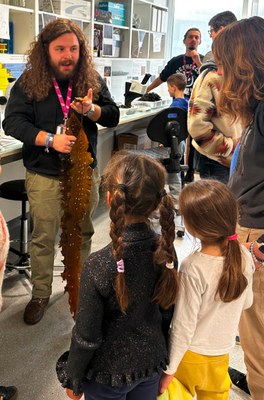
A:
112, 29
149, 28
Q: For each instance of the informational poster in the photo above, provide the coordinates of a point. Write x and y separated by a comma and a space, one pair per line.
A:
157, 37
4, 22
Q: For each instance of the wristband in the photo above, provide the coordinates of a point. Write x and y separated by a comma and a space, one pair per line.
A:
90, 113
49, 141
255, 258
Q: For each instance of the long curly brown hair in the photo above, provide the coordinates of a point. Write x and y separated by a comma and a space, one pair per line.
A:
37, 78
243, 67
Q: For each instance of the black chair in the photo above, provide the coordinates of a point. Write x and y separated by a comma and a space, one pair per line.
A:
15, 190
169, 127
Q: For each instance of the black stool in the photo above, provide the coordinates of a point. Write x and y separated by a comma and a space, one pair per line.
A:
15, 190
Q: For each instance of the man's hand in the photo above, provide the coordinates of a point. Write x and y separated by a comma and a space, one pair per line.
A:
196, 58
63, 143
71, 395
83, 105
165, 380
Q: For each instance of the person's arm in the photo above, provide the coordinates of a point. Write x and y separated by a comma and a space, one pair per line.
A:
19, 122
87, 332
213, 135
109, 111
256, 249
154, 84
104, 110
169, 69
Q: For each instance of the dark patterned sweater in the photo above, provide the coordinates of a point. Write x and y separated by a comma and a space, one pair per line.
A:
108, 346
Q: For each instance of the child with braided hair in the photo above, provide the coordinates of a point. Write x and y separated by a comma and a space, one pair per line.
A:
127, 291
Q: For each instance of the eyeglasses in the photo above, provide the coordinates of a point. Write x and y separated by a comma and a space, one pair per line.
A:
211, 31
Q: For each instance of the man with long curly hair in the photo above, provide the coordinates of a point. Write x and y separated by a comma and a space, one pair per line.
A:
59, 68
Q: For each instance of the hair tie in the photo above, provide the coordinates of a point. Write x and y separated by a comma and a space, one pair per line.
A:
161, 194
120, 266
122, 187
233, 237
170, 265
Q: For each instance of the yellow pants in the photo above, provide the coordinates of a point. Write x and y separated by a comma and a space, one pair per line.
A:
205, 376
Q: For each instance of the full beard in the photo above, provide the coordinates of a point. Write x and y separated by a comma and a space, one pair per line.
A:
63, 75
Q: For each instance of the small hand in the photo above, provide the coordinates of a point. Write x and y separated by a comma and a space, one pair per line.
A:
83, 105
165, 380
71, 395
63, 143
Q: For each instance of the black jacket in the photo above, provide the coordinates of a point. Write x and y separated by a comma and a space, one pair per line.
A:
247, 180
24, 118
108, 346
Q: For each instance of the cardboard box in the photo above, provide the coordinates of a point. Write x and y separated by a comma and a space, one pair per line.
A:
117, 20
115, 8
133, 141
73, 8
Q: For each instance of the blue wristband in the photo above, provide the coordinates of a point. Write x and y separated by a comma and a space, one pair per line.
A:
49, 141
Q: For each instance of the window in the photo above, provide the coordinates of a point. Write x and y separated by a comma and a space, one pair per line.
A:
197, 14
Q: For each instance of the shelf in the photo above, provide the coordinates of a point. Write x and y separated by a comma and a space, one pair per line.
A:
133, 44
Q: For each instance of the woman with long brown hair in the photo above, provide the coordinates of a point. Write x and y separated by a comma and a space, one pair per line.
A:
242, 96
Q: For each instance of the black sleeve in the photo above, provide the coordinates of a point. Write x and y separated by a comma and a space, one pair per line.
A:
20, 116
169, 69
109, 110
87, 332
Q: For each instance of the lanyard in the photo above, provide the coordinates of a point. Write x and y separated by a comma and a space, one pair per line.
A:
65, 107
192, 67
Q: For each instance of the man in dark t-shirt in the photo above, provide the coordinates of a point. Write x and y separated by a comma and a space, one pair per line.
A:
188, 63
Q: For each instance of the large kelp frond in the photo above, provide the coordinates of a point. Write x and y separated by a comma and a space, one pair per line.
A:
76, 181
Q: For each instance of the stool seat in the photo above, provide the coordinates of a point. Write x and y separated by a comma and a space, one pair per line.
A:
14, 190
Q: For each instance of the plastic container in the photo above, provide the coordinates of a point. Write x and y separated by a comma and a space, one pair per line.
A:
151, 104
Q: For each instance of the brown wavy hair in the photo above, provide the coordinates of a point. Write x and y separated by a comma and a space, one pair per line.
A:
142, 192
239, 50
36, 79
210, 212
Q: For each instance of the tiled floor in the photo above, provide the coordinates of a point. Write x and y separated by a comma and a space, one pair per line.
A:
28, 353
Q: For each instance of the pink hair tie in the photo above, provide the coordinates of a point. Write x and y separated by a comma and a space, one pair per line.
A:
233, 237
120, 266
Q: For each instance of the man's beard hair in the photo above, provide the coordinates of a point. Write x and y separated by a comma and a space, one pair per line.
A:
63, 76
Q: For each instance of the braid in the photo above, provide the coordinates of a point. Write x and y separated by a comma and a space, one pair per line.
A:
166, 288
136, 187
117, 216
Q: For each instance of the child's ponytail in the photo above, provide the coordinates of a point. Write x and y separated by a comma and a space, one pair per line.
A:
232, 282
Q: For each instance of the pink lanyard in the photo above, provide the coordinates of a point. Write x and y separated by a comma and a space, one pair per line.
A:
192, 67
65, 107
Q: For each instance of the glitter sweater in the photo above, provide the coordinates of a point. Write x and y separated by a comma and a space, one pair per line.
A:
108, 346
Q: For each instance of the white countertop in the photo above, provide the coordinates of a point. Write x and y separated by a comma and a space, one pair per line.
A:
10, 146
